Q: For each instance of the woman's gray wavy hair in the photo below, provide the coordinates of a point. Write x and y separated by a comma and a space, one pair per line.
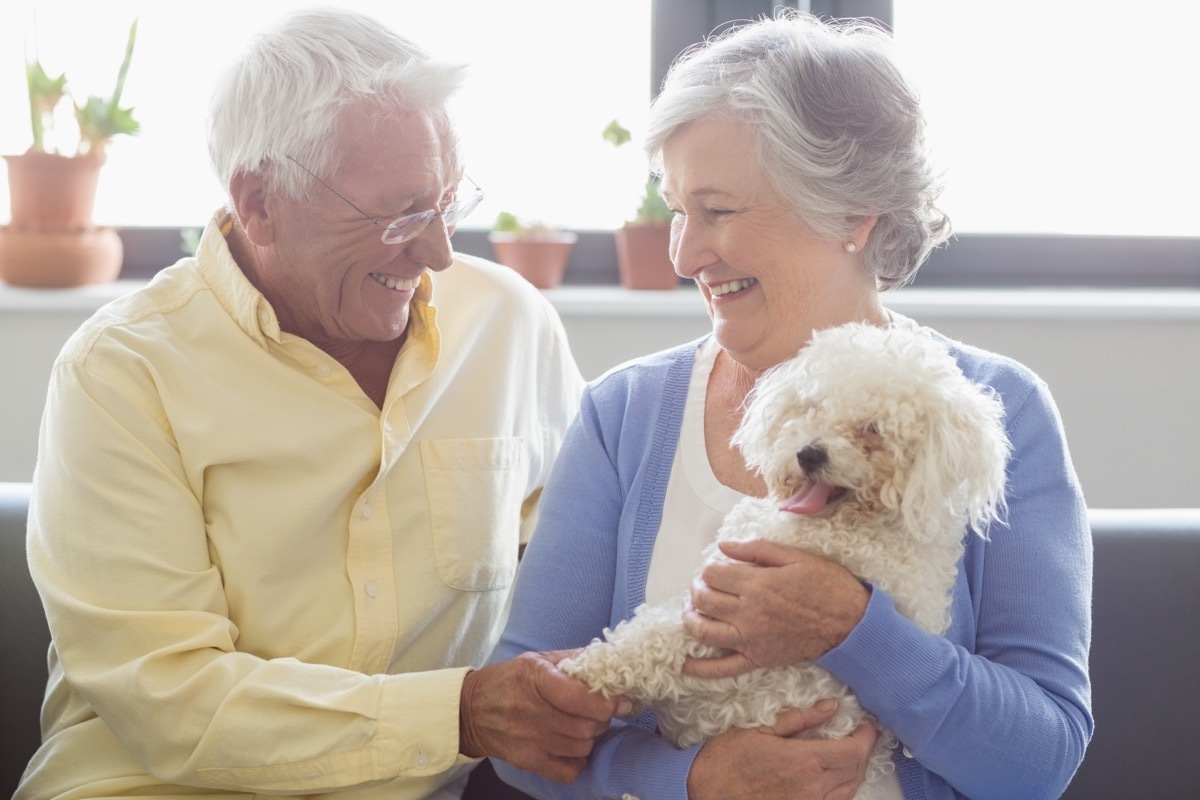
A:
283, 96
840, 129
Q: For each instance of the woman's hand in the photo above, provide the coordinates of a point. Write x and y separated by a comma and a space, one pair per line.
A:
774, 605
530, 714
764, 763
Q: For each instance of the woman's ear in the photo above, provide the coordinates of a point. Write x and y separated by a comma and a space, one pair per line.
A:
249, 193
862, 230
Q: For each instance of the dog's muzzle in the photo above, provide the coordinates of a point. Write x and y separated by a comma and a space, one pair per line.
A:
811, 458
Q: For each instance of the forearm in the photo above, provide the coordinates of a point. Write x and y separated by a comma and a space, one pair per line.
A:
193, 711
983, 726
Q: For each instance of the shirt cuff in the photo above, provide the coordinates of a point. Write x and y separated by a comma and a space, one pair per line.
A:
418, 721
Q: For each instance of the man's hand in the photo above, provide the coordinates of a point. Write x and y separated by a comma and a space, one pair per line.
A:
530, 714
764, 763
775, 605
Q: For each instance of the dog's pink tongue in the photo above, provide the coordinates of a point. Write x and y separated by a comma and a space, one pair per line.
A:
811, 498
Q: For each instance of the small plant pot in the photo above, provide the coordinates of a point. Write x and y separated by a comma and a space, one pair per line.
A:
51, 192
541, 258
643, 257
51, 242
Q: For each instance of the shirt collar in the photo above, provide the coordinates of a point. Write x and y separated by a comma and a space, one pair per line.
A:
247, 306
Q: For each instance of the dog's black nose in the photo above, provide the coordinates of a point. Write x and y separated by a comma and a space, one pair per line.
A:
812, 458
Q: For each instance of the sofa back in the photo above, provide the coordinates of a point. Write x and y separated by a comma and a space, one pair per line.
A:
1145, 658
25, 642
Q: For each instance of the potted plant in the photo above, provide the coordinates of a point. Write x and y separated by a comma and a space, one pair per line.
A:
643, 258
51, 241
534, 249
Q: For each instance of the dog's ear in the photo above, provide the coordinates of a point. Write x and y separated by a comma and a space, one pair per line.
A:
959, 472
769, 405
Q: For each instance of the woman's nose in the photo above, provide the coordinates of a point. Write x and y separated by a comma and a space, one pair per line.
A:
687, 248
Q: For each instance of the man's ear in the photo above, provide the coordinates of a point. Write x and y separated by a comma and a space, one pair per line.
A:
249, 193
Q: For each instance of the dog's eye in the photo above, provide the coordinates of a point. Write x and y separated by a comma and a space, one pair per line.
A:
871, 429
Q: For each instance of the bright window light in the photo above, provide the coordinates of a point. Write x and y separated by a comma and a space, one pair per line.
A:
1063, 116
546, 77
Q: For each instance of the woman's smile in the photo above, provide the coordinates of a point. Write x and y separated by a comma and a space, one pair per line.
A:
731, 287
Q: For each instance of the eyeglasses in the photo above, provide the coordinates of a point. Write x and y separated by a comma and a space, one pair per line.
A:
403, 229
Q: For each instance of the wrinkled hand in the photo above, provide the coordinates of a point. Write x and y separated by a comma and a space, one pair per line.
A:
530, 714
763, 763
774, 605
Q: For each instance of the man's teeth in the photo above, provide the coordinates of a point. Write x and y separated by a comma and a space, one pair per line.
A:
392, 283
732, 286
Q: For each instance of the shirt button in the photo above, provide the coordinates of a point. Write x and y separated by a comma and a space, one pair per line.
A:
323, 370
421, 761
387, 426
372, 589
367, 511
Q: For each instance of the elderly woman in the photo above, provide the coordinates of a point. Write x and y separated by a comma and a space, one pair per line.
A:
281, 490
792, 155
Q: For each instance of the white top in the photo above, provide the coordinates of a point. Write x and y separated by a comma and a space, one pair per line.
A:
696, 502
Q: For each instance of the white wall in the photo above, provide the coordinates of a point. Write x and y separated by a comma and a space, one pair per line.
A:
1123, 367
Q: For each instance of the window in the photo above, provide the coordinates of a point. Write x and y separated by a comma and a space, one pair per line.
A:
1065, 117
546, 77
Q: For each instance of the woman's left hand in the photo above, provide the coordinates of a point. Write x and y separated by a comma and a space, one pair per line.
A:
773, 605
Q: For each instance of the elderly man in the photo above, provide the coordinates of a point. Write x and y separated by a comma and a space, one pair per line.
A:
281, 490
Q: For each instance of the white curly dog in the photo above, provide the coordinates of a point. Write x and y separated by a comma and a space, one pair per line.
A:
877, 453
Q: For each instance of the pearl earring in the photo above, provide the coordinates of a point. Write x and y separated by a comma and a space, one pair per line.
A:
851, 247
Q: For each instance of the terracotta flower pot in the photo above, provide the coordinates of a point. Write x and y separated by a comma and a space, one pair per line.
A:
52, 192
540, 257
51, 241
643, 258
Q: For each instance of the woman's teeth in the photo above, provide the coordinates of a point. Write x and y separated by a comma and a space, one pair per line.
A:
403, 284
732, 286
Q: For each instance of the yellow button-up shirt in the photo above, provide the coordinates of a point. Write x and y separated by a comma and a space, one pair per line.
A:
256, 580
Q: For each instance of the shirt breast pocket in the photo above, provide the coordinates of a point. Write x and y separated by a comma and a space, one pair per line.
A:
475, 488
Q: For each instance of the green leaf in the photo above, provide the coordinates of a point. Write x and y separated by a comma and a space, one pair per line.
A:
99, 119
506, 222
616, 134
653, 208
44, 95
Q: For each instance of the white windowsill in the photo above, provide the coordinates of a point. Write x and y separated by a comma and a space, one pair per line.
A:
603, 301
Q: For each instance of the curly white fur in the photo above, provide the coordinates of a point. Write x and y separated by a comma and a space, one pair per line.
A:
917, 453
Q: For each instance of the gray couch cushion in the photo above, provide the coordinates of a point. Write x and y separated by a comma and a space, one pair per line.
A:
25, 642
1145, 657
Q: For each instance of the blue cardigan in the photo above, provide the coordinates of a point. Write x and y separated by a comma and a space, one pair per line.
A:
998, 707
